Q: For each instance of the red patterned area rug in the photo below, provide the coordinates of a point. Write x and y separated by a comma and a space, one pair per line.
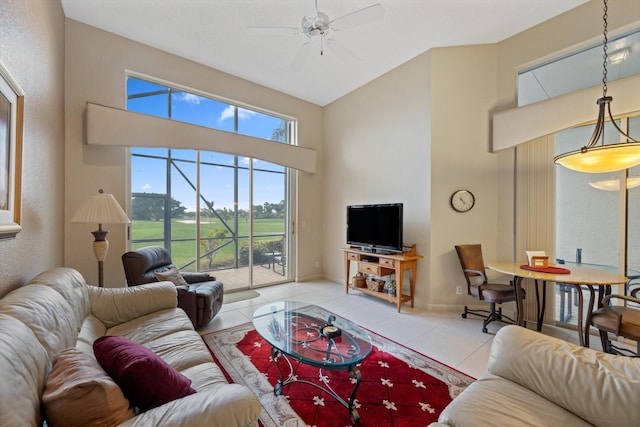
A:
399, 386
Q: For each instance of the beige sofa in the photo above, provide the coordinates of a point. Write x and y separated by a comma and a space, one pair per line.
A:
57, 310
537, 380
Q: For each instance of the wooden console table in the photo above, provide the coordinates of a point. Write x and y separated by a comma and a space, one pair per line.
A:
375, 264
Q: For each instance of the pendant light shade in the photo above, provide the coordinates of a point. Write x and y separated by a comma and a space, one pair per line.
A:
607, 158
594, 158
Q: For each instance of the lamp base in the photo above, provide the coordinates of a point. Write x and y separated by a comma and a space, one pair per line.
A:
100, 249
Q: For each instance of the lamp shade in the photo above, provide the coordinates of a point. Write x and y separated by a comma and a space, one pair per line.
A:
101, 208
601, 159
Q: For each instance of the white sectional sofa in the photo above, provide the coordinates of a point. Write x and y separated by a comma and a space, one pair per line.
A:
534, 380
57, 310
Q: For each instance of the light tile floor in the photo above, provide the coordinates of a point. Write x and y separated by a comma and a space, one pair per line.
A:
444, 336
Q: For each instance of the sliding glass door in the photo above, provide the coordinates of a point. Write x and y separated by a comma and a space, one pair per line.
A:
216, 212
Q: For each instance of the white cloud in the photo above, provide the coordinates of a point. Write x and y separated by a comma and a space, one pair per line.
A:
226, 114
189, 97
146, 187
245, 114
245, 161
229, 111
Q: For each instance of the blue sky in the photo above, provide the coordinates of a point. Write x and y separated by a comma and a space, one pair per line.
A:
216, 179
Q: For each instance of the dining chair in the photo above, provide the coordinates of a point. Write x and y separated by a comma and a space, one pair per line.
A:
280, 260
567, 293
473, 267
620, 320
277, 257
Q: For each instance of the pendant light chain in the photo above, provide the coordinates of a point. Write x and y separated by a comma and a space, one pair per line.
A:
604, 48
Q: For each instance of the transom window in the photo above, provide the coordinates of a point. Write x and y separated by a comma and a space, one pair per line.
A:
580, 69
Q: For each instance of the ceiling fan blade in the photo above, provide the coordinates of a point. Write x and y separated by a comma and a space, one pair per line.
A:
342, 52
372, 13
301, 57
273, 31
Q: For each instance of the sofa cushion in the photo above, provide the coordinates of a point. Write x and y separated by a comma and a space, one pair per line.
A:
24, 365
71, 285
598, 387
493, 401
171, 275
78, 392
114, 306
49, 315
146, 379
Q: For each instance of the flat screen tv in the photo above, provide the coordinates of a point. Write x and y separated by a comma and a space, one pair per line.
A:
375, 228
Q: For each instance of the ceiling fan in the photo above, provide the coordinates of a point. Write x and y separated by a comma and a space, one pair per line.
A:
318, 25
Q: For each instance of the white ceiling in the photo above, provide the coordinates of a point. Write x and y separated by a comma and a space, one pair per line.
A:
213, 33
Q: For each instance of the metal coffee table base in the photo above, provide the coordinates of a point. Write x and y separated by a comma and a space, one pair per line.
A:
352, 370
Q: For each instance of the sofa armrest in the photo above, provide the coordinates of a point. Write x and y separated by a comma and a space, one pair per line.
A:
114, 306
230, 405
595, 386
193, 277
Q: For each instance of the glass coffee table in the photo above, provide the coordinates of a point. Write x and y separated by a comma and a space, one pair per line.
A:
316, 337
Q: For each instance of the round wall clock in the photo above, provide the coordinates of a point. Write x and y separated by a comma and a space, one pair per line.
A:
462, 200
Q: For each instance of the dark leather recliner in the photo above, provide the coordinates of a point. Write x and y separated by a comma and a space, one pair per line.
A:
201, 299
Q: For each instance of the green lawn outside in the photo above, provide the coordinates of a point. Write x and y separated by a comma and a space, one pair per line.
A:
183, 252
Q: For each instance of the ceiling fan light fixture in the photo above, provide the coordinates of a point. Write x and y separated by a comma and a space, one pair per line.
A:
318, 26
604, 158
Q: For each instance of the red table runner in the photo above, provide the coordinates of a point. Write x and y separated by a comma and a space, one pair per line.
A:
551, 270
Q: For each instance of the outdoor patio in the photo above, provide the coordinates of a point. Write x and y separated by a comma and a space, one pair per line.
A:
235, 279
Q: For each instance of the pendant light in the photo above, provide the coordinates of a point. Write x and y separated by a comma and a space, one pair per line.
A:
603, 158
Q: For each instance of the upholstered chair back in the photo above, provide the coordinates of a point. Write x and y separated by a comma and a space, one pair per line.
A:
141, 264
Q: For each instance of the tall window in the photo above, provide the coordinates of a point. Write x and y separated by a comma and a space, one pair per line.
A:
215, 212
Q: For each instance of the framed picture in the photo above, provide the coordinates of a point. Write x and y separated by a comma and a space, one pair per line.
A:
11, 122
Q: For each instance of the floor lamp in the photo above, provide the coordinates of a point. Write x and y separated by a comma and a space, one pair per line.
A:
101, 208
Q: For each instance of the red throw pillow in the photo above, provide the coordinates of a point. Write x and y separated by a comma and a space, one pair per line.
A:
145, 379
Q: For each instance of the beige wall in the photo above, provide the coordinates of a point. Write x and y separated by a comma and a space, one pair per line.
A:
377, 150
32, 49
416, 135
463, 93
96, 65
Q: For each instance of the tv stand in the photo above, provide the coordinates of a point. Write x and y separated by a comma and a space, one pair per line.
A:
378, 264
371, 250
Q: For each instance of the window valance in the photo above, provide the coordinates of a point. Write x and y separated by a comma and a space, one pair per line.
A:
522, 124
121, 128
